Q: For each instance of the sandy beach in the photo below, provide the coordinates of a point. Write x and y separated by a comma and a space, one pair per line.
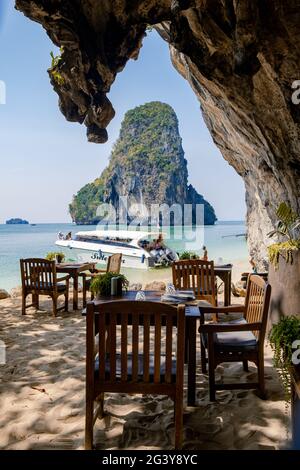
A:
42, 396
135, 135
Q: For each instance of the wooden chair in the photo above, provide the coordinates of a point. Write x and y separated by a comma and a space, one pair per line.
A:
39, 278
244, 277
118, 367
114, 263
197, 275
239, 340
113, 266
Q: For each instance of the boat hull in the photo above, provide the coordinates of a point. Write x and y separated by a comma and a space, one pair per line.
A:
101, 256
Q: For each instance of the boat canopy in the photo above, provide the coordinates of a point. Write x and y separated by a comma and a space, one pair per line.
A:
128, 235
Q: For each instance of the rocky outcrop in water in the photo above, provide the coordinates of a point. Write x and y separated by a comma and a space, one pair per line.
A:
147, 166
240, 57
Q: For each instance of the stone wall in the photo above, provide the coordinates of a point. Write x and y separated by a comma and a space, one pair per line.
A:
285, 282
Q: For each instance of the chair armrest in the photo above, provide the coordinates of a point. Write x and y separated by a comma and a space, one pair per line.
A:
96, 271
88, 274
227, 328
229, 309
65, 278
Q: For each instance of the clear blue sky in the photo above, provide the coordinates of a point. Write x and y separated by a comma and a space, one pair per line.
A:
45, 159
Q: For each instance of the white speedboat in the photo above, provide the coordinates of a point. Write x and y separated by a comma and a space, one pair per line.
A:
141, 250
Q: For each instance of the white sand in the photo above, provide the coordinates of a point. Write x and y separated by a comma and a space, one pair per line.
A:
42, 397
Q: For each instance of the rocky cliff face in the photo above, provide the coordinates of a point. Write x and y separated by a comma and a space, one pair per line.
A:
147, 166
240, 57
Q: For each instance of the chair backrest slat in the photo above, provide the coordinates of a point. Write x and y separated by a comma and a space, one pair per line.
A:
43, 276
257, 303
169, 335
38, 274
197, 275
102, 347
146, 348
135, 346
202, 285
114, 263
148, 365
212, 278
124, 346
198, 270
112, 346
157, 347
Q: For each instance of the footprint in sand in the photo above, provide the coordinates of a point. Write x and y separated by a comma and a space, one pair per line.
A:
244, 403
269, 377
224, 397
205, 428
245, 437
141, 437
252, 376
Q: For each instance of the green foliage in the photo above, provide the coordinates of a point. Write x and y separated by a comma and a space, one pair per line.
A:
284, 249
153, 115
54, 70
189, 255
286, 227
85, 203
147, 158
56, 255
287, 224
101, 285
281, 337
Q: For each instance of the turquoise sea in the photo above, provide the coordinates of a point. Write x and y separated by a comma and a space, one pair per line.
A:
26, 241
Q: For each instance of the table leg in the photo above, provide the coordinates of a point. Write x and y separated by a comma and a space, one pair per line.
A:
227, 289
191, 332
186, 349
35, 301
75, 292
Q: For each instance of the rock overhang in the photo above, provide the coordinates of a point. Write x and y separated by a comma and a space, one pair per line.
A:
240, 59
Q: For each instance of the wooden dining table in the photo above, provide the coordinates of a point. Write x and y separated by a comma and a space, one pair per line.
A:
74, 270
192, 314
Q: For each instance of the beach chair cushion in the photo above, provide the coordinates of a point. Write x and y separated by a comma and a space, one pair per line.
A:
49, 287
233, 340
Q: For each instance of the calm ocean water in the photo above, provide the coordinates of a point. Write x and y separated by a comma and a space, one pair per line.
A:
26, 241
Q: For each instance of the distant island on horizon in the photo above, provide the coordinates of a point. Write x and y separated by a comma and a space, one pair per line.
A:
17, 221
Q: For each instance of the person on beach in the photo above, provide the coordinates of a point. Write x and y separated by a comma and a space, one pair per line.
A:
159, 244
254, 266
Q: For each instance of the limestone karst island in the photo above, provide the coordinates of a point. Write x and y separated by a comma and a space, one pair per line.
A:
150, 309
147, 165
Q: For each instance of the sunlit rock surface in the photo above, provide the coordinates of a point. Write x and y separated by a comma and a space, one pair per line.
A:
148, 166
